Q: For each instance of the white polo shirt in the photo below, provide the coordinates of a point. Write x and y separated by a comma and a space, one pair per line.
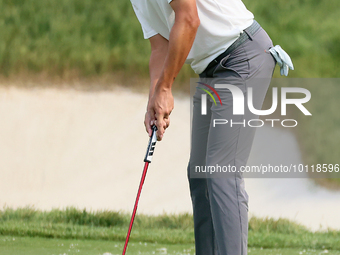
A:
221, 23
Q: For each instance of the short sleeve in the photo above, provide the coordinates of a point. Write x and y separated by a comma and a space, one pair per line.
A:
148, 31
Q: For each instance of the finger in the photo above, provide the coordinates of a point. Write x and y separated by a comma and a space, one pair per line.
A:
147, 127
167, 114
167, 122
152, 123
160, 128
148, 122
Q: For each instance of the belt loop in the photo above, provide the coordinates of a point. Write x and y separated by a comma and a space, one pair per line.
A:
249, 35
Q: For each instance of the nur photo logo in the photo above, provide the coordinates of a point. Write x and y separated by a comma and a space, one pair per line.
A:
238, 104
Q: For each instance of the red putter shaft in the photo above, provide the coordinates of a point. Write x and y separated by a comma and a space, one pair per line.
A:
147, 160
135, 208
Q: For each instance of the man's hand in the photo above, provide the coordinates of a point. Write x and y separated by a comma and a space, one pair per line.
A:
158, 111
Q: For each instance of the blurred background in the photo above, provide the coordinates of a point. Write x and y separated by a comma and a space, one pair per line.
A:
73, 92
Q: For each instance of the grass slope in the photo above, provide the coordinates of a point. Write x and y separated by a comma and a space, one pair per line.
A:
104, 36
72, 223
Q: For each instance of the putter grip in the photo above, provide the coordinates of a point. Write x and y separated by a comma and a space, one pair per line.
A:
151, 146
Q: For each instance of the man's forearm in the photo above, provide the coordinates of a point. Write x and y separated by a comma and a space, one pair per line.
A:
182, 36
167, 59
156, 63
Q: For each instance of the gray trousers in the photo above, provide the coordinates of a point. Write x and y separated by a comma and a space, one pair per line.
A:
220, 203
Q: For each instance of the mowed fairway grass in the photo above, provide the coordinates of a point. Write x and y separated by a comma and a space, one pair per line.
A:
42, 246
72, 231
39, 246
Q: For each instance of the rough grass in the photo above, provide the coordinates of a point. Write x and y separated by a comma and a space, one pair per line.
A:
73, 223
320, 133
92, 37
104, 36
103, 218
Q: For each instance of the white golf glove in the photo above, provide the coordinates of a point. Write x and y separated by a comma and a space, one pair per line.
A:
282, 58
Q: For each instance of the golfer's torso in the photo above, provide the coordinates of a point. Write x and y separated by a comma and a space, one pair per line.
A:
221, 22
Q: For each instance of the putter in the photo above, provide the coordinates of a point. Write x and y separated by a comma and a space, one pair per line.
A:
147, 160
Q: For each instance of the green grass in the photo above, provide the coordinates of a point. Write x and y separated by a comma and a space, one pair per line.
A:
104, 36
41, 246
307, 30
55, 36
74, 224
320, 134
35, 246
317, 135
